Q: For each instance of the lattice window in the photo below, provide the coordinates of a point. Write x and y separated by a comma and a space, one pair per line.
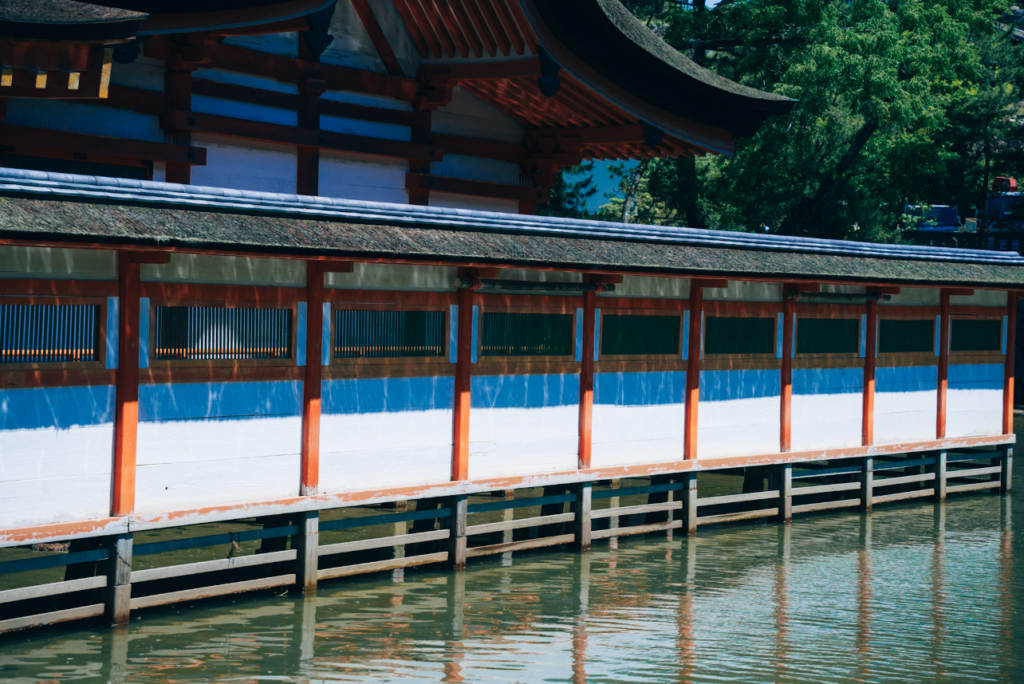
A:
827, 335
526, 334
388, 334
200, 333
634, 335
977, 334
49, 333
739, 335
903, 336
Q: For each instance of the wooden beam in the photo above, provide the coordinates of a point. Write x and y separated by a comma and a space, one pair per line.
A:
22, 137
693, 351
310, 468
481, 70
871, 344
1011, 356
943, 333
377, 37
587, 380
463, 370
490, 149
296, 136
460, 186
126, 401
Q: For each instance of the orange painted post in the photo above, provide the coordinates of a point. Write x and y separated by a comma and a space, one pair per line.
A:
870, 347
786, 413
311, 382
1011, 355
693, 349
126, 402
587, 379
940, 417
463, 366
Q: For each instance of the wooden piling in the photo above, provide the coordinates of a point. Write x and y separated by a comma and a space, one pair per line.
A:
688, 496
867, 484
1006, 474
456, 523
783, 482
581, 520
940, 476
119, 580
307, 545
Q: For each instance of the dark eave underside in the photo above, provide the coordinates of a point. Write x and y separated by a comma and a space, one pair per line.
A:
78, 222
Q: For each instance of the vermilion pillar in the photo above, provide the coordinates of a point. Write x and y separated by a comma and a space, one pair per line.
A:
463, 366
1011, 355
126, 402
870, 347
311, 385
940, 416
693, 370
587, 379
786, 414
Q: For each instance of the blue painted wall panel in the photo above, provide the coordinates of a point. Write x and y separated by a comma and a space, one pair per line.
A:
192, 401
113, 324
828, 380
640, 389
976, 376
524, 391
56, 407
906, 378
723, 385
378, 395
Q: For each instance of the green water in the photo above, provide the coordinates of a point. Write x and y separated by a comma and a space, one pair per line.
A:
914, 592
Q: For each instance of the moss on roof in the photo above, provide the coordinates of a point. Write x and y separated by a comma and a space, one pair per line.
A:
112, 224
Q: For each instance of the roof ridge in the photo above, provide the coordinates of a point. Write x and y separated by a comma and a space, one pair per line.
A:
63, 186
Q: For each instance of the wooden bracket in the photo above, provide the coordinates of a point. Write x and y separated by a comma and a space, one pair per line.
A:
150, 257
335, 266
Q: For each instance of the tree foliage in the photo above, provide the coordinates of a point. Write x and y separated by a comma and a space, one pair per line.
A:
904, 101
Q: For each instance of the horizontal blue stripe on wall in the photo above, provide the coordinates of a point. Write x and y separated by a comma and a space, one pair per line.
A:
640, 389
379, 395
906, 379
976, 376
828, 380
723, 385
524, 391
56, 407
192, 401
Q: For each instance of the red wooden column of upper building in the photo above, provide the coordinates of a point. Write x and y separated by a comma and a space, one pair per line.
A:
940, 417
1008, 368
693, 353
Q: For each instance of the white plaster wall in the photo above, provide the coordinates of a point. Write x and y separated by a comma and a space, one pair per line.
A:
643, 286
506, 442
244, 110
540, 276
362, 178
470, 117
452, 201
361, 451
477, 168
916, 296
746, 291
50, 475
394, 277
186, 464
980, 298
145, 73
905, 416
397, 35
254, 166
80, 117
974, 412
738, 427
826, 421
629, 435
203, 268
47, 262
351, 46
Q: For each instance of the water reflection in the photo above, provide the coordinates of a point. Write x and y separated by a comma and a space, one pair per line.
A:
914, 593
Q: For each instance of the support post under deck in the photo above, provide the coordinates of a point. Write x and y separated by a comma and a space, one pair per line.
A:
1006, 474
581, 520
867, 484
688, 496
940, 476
457, 532
119, 580
307, 545
784, 483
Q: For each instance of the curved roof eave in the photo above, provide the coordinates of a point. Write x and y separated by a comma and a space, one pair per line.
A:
62, 21
633, 64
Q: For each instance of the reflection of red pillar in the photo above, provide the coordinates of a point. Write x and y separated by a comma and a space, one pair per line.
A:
938, 588
579, 652
782, 605
684, 640
864, 598
452, 667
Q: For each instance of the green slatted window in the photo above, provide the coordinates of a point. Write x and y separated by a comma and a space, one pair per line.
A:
526, 334
634, 335
388, 334
904, 336
827, 335
739, 335
976, 334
